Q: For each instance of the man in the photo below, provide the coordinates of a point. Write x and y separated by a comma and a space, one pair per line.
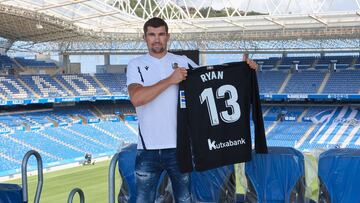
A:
153, 87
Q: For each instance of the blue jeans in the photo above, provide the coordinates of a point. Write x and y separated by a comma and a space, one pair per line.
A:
148, 168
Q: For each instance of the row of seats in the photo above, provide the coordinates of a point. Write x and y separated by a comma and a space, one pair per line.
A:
34, 63
278, 176
306, 62
58, 144
44, 86
336, 124
309, 82
6, 61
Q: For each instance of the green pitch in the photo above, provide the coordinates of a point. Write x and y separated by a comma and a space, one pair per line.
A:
92, 179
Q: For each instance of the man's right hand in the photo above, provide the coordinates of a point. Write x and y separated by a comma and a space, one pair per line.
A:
140, 95
178, 75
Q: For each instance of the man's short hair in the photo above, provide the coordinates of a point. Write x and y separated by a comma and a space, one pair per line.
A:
155, 22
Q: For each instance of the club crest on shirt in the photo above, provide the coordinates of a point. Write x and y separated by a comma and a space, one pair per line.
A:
146, 67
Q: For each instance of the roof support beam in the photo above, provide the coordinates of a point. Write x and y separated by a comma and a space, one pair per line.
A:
61, 5
274, 21
233, 23
193, 24
95, 16
318, 19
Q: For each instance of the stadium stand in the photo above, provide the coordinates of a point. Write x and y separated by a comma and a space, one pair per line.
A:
81, 84
115, 82
12, 122
6, 62
119, 108
57, 135
271, 81
44, 86
34, 63
12, 88
268, 64
343, 82
305, 62
64, 134
305, 82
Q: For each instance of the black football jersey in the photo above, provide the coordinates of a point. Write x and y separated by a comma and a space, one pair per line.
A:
213, 127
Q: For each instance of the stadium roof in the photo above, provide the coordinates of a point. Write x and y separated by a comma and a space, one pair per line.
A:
192, 22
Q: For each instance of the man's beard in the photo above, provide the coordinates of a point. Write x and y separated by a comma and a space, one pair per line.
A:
158, 50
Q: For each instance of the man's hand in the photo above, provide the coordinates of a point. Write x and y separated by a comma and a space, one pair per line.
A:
250, 62
140, 95
178, 75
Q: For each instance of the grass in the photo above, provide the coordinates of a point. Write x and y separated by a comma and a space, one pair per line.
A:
93, 180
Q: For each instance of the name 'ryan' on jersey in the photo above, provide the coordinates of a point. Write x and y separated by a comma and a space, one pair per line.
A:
213, 127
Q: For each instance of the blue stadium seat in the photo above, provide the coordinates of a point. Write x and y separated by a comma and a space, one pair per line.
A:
215, 185
276, 177
11, 87
81, 84
336, 84
114, 82
44, 85
13, 193
271, 81
307, 81
6, 61
34, 63
10, 193
339, 175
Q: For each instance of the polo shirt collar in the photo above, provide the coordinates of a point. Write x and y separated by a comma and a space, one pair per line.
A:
158, 59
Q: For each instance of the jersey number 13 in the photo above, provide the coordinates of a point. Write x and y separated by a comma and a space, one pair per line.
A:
208, 96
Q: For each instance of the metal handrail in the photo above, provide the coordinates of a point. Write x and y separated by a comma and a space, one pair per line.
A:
72, 194
24, 176
111, 178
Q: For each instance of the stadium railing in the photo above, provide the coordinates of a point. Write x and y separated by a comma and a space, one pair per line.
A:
72, 194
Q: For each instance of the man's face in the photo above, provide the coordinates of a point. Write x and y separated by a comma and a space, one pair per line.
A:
156, 39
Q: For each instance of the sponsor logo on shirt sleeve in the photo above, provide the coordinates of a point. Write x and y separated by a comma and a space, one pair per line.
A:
182, 99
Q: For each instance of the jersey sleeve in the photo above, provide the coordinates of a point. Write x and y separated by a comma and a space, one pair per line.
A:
183, 148
260, 139
133, 74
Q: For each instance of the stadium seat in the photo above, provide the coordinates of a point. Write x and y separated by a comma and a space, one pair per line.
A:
216, 185
10, 193
13, 193
276, 177
339, 175
126, 163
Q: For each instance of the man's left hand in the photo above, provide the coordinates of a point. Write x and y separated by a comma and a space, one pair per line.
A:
250, 62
